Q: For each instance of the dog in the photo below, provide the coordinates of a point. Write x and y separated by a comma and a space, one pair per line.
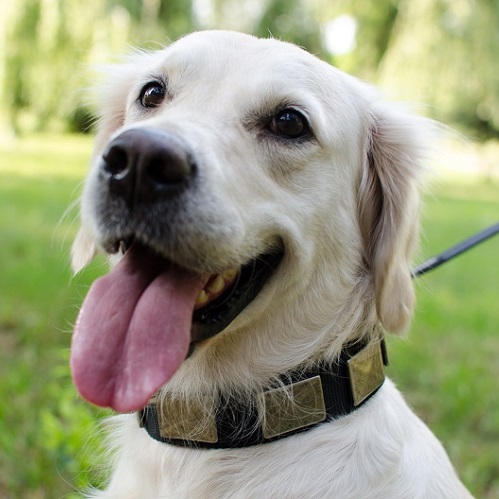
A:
261, 210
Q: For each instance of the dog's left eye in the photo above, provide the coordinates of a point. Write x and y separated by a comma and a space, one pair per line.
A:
152, 95
289, 123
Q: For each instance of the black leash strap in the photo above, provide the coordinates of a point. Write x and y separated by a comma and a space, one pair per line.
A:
456, 250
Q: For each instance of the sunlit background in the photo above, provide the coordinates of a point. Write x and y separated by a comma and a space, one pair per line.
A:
442, 56
440, 53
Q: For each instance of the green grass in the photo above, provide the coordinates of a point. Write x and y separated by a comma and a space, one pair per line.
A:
43, 426
447, 368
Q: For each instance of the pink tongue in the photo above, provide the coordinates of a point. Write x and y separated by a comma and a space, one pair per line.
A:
133, 331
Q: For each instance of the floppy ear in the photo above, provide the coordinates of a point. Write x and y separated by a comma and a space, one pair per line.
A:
108, 95
108, 100
388, 208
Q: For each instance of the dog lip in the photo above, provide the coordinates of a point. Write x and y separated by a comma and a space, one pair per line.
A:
119, 244
125, 243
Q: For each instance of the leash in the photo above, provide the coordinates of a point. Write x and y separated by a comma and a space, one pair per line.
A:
456, 250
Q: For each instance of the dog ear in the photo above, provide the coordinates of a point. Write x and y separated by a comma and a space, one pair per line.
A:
388, 208
109, 94
108, 99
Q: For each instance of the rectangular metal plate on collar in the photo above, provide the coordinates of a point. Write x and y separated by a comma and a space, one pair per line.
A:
183, 419
293, 407
366, 372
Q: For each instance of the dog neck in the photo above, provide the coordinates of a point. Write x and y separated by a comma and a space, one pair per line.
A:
302, 400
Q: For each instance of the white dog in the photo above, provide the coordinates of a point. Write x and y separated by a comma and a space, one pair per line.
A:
266, 206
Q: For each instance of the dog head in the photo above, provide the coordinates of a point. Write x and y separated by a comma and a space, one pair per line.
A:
256, 192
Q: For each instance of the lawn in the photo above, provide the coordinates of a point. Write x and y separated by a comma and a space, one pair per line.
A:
448, 367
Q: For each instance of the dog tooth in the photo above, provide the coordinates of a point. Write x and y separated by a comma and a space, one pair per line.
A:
202, 298
230, 275
217, 285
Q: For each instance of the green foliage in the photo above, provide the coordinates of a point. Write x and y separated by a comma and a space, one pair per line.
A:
438, 53
51, 44
49, 437
444, 54
375, 32
292, 21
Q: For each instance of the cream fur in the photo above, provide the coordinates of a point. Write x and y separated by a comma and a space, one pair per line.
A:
346, 207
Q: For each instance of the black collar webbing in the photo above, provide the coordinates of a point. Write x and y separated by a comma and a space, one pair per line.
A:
318, 395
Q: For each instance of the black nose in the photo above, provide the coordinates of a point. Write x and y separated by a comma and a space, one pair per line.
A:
146, 165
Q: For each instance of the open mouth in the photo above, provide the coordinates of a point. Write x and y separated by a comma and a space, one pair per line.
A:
225, 296
139, 322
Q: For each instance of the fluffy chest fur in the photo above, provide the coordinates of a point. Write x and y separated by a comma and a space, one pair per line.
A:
382, 451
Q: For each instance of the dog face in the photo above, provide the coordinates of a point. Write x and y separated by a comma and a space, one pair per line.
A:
274, 191
230, 115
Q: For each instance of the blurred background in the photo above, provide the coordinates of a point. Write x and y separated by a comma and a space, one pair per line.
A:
441, 55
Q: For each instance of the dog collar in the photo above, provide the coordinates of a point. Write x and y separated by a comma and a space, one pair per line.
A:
304, 399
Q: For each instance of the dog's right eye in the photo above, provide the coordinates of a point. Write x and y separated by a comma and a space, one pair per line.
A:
289, 124
152, 95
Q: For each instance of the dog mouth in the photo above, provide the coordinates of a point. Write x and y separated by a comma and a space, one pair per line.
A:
226, 295
139, 322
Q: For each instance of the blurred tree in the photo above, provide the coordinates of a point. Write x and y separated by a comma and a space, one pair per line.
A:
48, 44
290, 20
375, 23
439, 52
42, 39
444, 53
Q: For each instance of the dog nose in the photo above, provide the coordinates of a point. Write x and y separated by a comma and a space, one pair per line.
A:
145, 165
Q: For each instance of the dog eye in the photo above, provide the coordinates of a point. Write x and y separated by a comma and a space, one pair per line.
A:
289, 123
152, 95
